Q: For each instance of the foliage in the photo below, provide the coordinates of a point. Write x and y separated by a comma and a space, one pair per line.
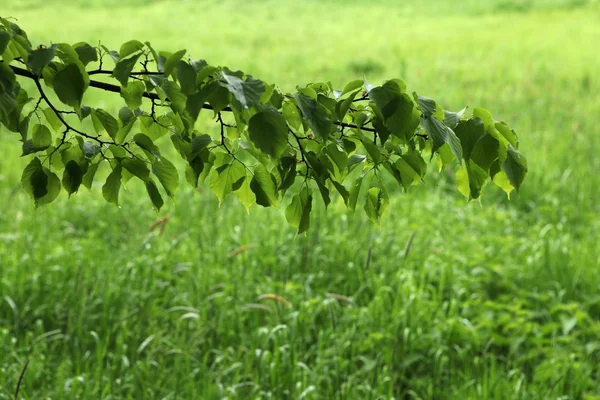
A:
310, 142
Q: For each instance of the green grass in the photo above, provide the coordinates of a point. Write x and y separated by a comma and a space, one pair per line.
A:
494, 301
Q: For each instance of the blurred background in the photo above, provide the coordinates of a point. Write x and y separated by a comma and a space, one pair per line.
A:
446, 299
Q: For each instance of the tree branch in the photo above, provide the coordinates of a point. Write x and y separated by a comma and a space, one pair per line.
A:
153, 96
58, 113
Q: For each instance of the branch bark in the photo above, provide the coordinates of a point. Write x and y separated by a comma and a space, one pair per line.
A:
153, 96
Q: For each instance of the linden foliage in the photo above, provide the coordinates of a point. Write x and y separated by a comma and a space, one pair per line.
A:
313, 142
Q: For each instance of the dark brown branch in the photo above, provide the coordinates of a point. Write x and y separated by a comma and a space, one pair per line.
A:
153, 96
107, 72
24, 72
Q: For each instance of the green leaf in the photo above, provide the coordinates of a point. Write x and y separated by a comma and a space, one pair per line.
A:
193, 105
33, 187
172, 61
104, 122
354, 85
39, 58
485, 116
451, 119
186, 75
287, 171
398, 113
167, 175
264, 186
160, 61
52, 119
154, 129
130, 47
315, 115
298, 212
9, 89
41, 137
227, 178
69, 85
88, 177
414, 160
269, 132
440, 134
455, 145
200, 142
485, 152
376, 204
342, 106
169, 90
354, 160
247, 93
52, 189
123, 68
147, 144
90, 150
86, 53
469, 132
291, 115
132, 94
373, 151
355, 192
477, 178
245, 194
515, 167
72, 177
383, 95
112, 186
426, 105
215, 95
154, 194
508, 133
137, 167
4, 40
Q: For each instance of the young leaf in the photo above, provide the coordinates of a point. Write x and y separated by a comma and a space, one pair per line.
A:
315, 115
376, 204
72, 177
172, 61
137, 167
39, 58
104, 122
123, 68
269, 132
112, 186
247, 92
227, 178
41, 137
297, 213
440, 134
130, 47
154, 194
264, 187
186, 75
245, 194
88, 177
86, 53
515, 167
69, 85
167, 175
4, 40
355, 192
132, 94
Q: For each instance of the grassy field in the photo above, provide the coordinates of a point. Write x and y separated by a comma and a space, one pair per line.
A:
498, 300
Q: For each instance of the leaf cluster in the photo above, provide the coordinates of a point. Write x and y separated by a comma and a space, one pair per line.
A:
312, 142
